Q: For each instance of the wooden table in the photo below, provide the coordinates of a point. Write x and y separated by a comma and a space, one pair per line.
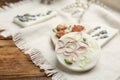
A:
15, 65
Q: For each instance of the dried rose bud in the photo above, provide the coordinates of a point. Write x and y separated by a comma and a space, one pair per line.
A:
77, 28
61, 27
61, 33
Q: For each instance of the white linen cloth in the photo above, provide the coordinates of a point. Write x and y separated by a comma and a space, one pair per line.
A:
36, 42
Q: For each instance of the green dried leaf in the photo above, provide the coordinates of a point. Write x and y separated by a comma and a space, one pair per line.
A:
69, 27
55, 30
84, 39
68, 61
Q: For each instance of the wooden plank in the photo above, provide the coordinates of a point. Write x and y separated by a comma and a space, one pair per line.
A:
29, 78
5, 38
14, 64
2, 3
4, 43
9, 1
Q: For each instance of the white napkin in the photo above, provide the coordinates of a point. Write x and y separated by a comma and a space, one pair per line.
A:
36, 42
39, 38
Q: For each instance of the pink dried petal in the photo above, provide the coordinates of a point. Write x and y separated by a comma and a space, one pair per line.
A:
75, 57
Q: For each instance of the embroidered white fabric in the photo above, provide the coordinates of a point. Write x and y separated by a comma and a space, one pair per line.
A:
36, 42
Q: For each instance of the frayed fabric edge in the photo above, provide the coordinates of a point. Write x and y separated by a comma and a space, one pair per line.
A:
37, 58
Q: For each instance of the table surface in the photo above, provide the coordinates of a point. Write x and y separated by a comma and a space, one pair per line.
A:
14, 64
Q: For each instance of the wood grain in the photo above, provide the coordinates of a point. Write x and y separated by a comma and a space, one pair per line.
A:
6, 43
3, 2
15, 65
5, 38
